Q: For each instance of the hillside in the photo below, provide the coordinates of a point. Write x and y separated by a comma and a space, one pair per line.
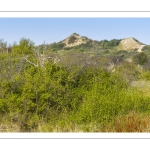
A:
75, 45
82, 43
75, 39
131, 44
87, 87
122, 44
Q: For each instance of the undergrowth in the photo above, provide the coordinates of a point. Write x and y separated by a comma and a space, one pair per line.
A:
55, 98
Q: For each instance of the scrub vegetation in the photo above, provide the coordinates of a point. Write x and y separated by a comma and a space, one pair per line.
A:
86, 88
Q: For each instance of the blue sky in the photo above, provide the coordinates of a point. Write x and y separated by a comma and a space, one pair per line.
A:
56, 29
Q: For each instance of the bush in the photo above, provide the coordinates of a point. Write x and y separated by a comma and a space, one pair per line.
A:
72, 39
24, 47
75, 95
3, 46
140, 58
109, 44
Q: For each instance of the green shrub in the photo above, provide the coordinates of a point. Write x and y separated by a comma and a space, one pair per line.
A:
140, 58
24, 47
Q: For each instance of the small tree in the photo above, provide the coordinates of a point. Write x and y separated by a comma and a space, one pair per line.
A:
3, 46
24, 47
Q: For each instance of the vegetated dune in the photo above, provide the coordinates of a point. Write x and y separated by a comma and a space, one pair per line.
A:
82, 42
140, 48
75, 39
131, 44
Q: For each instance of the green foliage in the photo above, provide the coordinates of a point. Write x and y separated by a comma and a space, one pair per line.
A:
109, 44
90, 95
129, 72
24, 47
56, 46
76, 94
140, 58
146, 75
146, 49
72, 39
3, 46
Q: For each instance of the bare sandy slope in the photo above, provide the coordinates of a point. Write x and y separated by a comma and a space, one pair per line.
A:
131, 44
140, 48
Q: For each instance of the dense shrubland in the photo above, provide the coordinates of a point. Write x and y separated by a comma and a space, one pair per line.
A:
109, 44
76, 94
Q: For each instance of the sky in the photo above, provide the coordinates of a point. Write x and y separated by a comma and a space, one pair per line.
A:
56, 29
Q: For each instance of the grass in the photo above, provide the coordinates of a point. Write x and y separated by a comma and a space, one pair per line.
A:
132, 122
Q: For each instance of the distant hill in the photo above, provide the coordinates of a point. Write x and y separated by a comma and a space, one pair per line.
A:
131, 44
82, 43
120, 44
75, 39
